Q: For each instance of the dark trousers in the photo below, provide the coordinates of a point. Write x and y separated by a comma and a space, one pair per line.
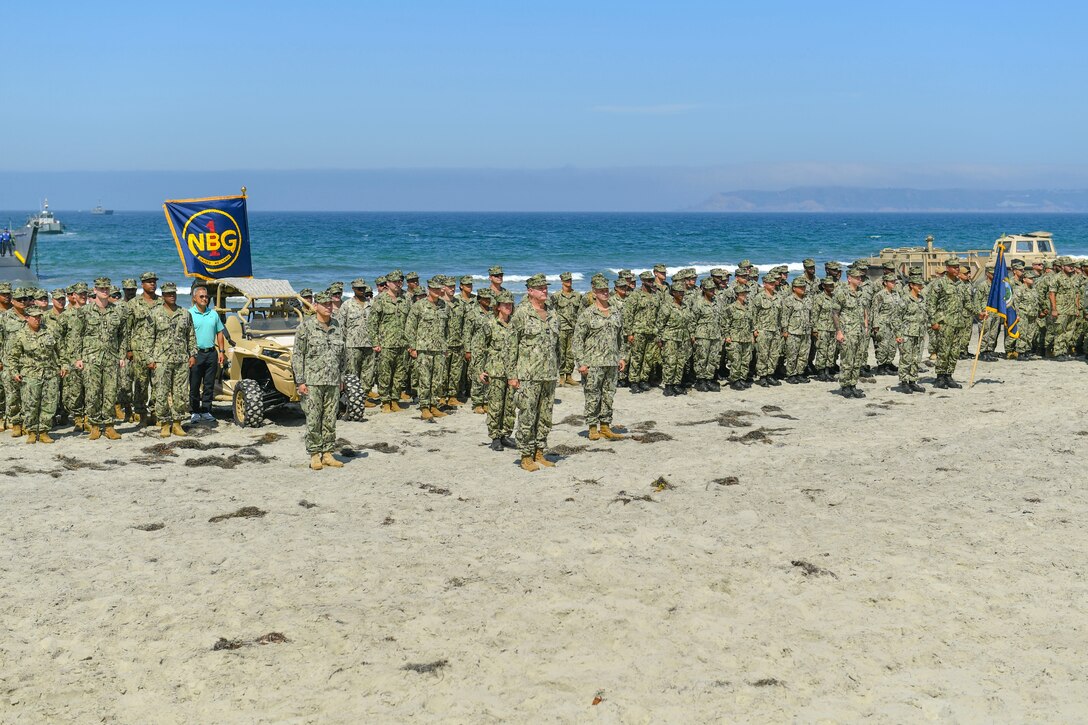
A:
202, 380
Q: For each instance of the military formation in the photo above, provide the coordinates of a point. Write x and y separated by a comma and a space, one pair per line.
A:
93, 357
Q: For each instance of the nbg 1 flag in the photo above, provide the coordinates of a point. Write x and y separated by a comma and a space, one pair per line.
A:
1001, 294
212, 235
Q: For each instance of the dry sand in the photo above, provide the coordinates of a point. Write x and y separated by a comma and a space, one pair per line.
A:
902, 558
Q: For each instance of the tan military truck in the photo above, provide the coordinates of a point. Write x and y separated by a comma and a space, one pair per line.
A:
261, 317
1030, 247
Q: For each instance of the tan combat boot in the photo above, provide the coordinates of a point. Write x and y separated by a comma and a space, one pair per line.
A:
164, 430
453, 402
479, 410
96, 432
177, 430
118, 412
425, 413
3, 424
594, 434
527, 464
437, 413
328, 460
16, 431
397, 407
44, 438
387, 407
79, 423
606, 432
134, 417
315, 462
371, 403
31, 437
541, 460
405, 397
112, 433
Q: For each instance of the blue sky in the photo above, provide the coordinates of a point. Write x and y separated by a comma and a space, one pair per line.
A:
439, 85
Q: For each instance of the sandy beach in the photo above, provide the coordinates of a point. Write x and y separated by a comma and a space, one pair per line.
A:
808, 558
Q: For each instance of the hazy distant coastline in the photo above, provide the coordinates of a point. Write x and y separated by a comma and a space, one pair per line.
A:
838, 199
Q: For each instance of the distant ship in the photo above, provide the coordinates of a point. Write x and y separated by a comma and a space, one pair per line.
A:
101, 210
17, 257
45, 221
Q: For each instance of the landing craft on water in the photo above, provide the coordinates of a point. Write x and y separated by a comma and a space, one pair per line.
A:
1029, 247
45, 221
17, 256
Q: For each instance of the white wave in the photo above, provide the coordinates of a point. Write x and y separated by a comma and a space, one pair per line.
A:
574, 276
702, 269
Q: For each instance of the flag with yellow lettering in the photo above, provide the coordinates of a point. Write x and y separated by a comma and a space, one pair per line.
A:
212, 235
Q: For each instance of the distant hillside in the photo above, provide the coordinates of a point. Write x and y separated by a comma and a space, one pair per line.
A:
850, 199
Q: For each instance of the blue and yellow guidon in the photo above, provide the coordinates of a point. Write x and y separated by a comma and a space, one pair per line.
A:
212, 235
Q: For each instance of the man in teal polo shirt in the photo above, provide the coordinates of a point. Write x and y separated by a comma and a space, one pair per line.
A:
210, 345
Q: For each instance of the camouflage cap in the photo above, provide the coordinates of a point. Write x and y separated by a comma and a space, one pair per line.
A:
781, 269
114, 291
964, 264
485, 294
741, 287
504, 298
718, 272
678, 287
856, 272
102, 283
80, 288
395, 276
169, 288
599, 283
626, 273
306, 292
744, 264
495, 271
1031, 274
887, 265
411, 277
799, 282
660, 268
358, 283
832, 267
436, 281
770, 277
467, 280
915, 270
59, 293
951, 262
336, 288
809, 263
828, 281
915, 278
34, 312
623, 282
129, 284
709, 284
5, 288
1046, 263
646, 276
39, 294
536, 280
565, 276
889, 278
382, 279
1017, 264
991, 266
322, 298
21, 293
149, 277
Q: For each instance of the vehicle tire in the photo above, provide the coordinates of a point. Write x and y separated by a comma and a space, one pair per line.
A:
353, 399
248, 404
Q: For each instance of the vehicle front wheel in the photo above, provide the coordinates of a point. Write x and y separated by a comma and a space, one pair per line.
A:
248, 404
354, 399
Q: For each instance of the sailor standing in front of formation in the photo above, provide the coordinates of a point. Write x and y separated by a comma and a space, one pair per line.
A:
533, 355
36, 367
171, 353
599, 350
100, 338
317, 362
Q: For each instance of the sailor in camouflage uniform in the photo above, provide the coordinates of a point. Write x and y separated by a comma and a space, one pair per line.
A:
454, 362
533, 354
675, 337
36, 369
852, 332
171, 351
567, 305
318, 365
945, 305
359, 350
599, 349
909, 322
738, 327
385, 324
476, 319
622, 288
640, 326
882, 312
139, 334
11, 322
796, 331
72, 391
707, 325
427, 331
5, 305
99, 351
493, 346
823, 330
767, 314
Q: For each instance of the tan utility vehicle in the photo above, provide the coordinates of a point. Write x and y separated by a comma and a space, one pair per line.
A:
1031, 247
261, 317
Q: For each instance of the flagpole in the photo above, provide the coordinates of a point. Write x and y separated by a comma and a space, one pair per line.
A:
978, 349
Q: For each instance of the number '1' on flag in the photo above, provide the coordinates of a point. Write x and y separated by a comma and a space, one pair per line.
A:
1000, 299
212, 235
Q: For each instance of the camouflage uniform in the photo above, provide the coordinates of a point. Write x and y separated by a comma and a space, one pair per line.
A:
11, 322
707, 327
100, 342
567, 306
598, 343
945, 306
739, 332
317, 362
640, 323
139, 332
1064, 288
797, 322
72, 390
823, 324
359, 350
493, 343
533, 355
385, 325
476, 319
171, 342
454, 362
427, 331
675, 329
850, 309
881, 316
35, 356
909, 322
767, 315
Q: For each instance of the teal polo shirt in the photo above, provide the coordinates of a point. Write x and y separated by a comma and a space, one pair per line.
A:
206, 324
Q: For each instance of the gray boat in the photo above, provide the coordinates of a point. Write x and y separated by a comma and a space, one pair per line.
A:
17, 259
45, 221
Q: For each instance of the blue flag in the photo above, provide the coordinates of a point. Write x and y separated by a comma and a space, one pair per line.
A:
212, 235
1001, 296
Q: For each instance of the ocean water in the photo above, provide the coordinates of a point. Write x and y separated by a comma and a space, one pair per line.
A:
313, 249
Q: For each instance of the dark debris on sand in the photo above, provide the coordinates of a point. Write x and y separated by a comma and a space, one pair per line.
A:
652, 437
662, 484
246, 512
810, 569
759, 435
726, 481
564, 450
150, 527
626, 498
424, 668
